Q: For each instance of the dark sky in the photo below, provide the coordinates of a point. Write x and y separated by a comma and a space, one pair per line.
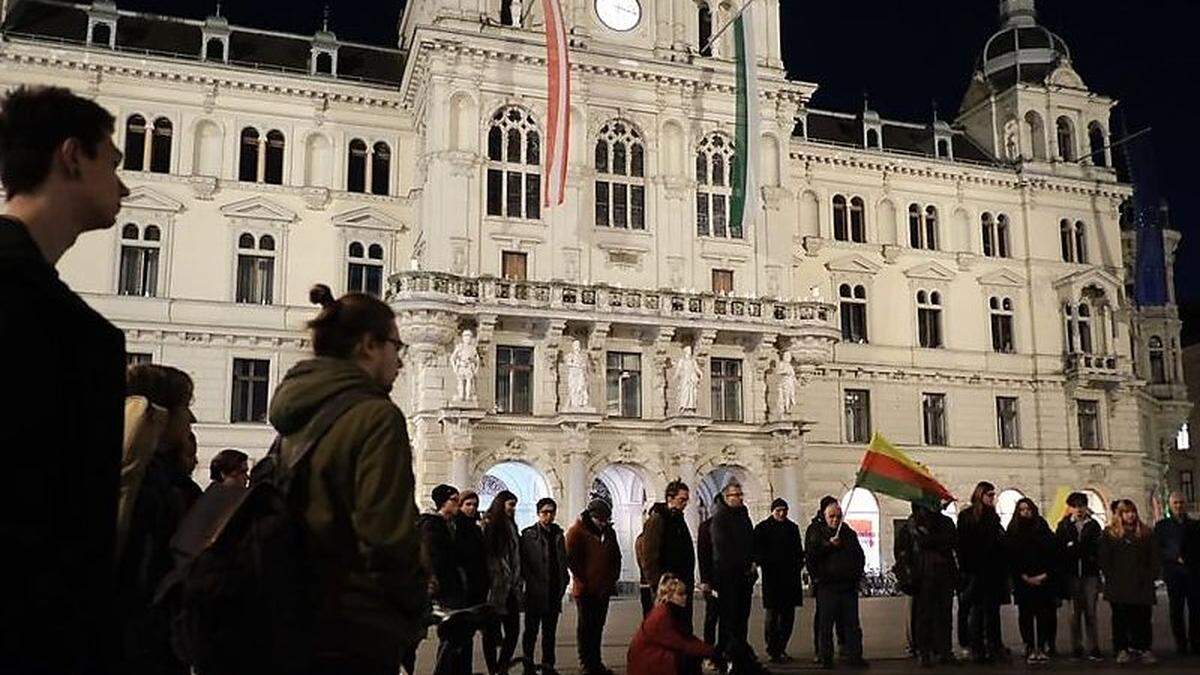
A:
908, 53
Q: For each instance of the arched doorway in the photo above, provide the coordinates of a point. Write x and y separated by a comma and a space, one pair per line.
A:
1097, 506
621, 485
1006, 505
521, 479
860, 511
711, 485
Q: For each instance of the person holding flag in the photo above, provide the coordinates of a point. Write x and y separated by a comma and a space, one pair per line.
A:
836, 562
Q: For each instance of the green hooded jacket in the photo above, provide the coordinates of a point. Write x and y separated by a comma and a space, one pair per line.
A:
355, 495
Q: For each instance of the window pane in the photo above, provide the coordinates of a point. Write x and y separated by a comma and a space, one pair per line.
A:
374, 284
620, 205
533, 148
354, 282
495, 192
514, 146
702, 214
602, 204
637, 161
602, 156
533, 196
719, 215
618, 158
637, 207
514, 194
495, 144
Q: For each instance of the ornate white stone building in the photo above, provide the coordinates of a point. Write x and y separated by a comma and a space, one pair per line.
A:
957, 285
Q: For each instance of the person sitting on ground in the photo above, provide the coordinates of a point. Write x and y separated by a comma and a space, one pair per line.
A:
664, 644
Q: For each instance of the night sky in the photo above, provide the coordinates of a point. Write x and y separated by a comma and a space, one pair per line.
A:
906, 54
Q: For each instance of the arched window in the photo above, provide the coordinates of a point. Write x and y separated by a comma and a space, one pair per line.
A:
872, 138
849, 222
922, 227
988, 225
1035, 130
102, 35
507, 16
255, 269
914, 226
1097, 144
160, 146
853, 299
364, 273
1003, 241
704, 18
140, 250
1066, 240
929, 319
214, 50
381, 168
248, 156
714, 167
943, 148
931, 219
1081, 249
1006, 505
324, 64
514, 180
858, 222
1065, 135
1158, 368
273, 169
841, 216
620, 177
1001, 310
356, 167
135, 143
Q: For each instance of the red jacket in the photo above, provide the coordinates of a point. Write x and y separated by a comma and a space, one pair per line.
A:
660, 643
593, 557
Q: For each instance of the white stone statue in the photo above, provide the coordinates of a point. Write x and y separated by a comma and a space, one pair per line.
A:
814, 293
787, 384
687, 380
464, 361
577, 365
1011, 149
515, 11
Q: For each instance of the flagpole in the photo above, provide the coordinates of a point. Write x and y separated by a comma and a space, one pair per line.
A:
708, 45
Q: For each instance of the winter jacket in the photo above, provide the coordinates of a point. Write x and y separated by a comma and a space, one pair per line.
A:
1173, 534
667, 547
663, 641
1130, 564
1032, 551
503, 564
354, 496
732, 547
839, 566
779, 550
440, 555
544, 568
469, 548
1078, 550
61, 433
704, 551
934, 547
594, 558
981, 554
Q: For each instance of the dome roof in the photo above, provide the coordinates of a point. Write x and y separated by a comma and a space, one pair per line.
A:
1021, 51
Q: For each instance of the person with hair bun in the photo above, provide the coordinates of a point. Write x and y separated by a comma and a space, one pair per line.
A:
353, 492
664, 644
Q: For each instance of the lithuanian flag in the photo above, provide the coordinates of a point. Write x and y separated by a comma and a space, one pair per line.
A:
887, 470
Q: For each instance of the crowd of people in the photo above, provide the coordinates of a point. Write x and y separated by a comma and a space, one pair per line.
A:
319, 561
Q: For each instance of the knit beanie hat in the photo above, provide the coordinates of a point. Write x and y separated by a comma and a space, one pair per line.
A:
779, 503
599, 507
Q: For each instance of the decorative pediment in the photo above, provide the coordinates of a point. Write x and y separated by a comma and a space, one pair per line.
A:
1072, 285
1002, 277
853, 264
259, 208
369, 217
1065, 76
149, 199
930, 270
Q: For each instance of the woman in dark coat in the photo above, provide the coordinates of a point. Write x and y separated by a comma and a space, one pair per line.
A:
469, 547
984, 572
501, 543
1033, 561
1129, 559
779, 550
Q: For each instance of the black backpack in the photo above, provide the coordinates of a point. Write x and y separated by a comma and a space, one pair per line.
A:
240, 596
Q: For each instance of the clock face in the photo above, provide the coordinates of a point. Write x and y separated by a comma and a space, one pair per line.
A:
620, 15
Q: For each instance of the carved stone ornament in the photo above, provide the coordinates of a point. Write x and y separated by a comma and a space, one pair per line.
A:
315, 198
203, 187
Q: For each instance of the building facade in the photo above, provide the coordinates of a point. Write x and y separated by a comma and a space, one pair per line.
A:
957, 286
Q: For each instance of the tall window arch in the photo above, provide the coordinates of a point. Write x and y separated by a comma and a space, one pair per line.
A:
1073, 240
853, 301
922, 227
255, 269
135, 143
1001, 310
849, 222
514, 179
160, 146
140, 248
1158, 367
705, 23
260, 159
368, 167
364, 273
1097, 144
714, 172
620, 177
381, 168
273, 152
1064, 131
929, 319
1079, 327
356, 166
988, 225
248, 156
1035, 130
995, 230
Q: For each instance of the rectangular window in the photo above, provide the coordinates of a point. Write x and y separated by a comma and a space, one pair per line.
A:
1002, 333
139, 271
933, 413
623, 375
1187, 485
727, 390
620, 205
533, 196
719, 221
858, 415
365, 278
601, 204
255, 279
929, 325
137, 358
637, 207
513, 194
495, 192
1007, 428
513, 265
722, 282
514, 380
1089, 424
702, 225
854, 322
250, 379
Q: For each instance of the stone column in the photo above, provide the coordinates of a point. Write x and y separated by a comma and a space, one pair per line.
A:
687, 452
428, 334
658, 401
575, 451
703, 352
785, 465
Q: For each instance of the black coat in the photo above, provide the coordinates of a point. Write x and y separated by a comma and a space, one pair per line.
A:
667, 547
704, 551
61, 434
1079, 551
779, 549
934, 542
440, 551
1032, 551
1131, 563
839, 566
732, 547
472, 556
981, 557
544, 568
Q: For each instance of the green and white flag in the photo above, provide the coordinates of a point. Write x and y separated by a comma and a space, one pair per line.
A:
745, 204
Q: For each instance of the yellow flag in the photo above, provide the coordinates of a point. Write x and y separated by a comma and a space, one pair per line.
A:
1058, 507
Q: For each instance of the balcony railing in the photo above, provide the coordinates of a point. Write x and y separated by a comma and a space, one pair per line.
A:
1092, 366
602, 298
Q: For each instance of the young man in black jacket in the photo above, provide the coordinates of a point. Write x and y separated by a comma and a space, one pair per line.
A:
836, 562
63, 431
1078, 537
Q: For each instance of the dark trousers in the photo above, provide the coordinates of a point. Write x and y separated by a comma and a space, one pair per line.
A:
1131, 627
1183, 592
1038, 622
933, 612
593, 613
986, 638
777, 629
964, 621
646, 595
733, 633
838, 631
547, 625
500, 638
712, 617
838, 606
